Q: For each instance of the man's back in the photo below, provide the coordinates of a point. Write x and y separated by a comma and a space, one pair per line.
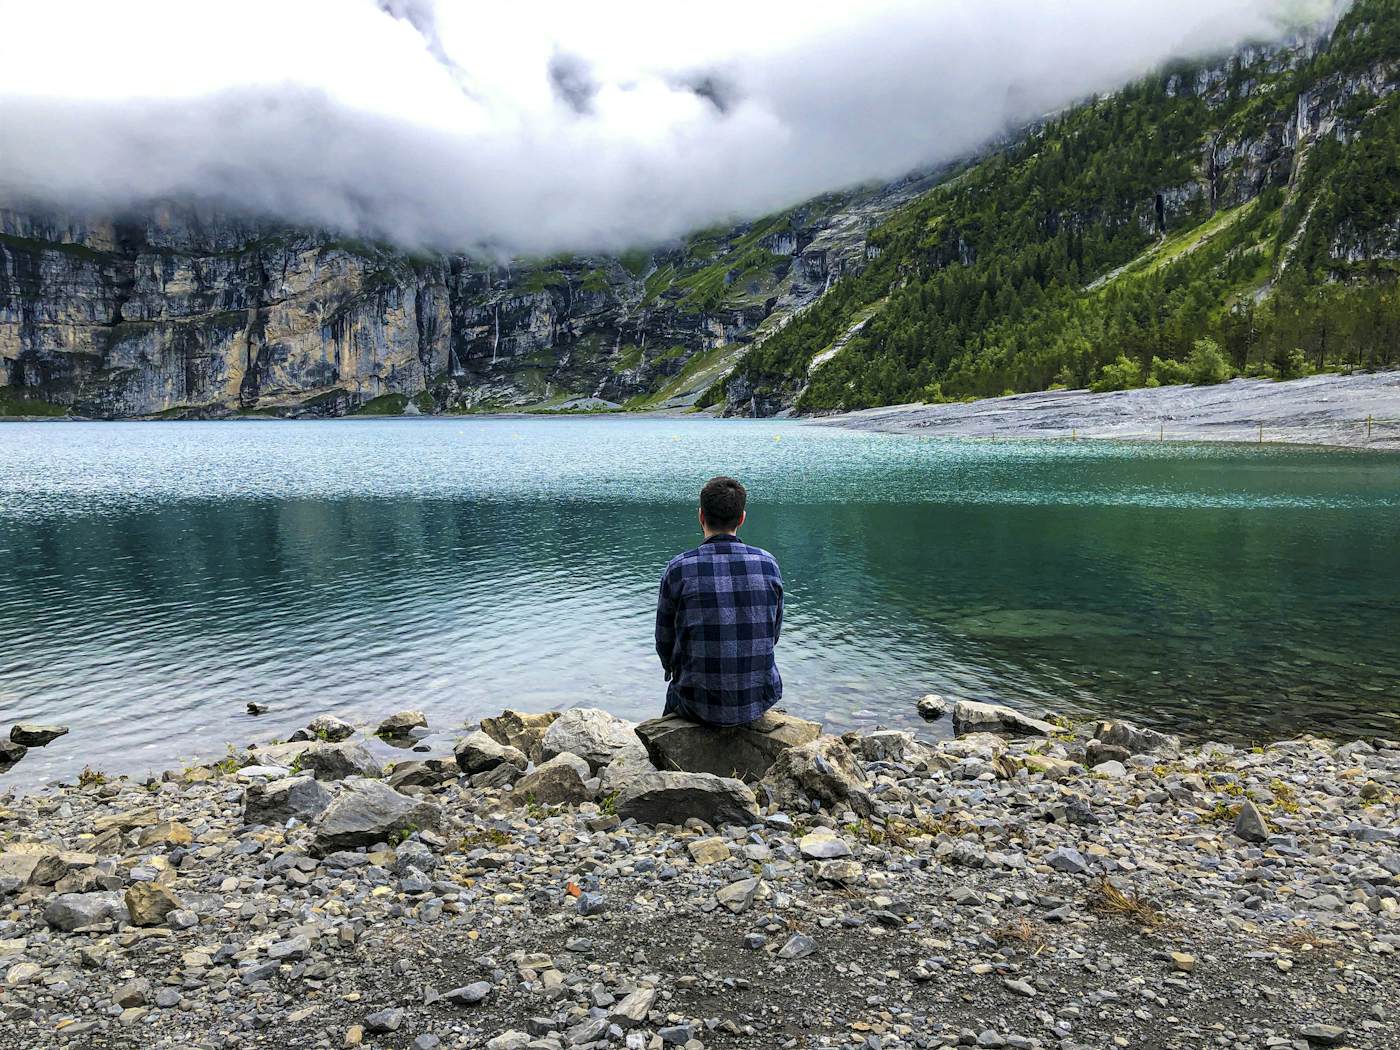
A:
718, 617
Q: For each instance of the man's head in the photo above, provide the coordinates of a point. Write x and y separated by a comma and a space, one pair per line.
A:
722, 502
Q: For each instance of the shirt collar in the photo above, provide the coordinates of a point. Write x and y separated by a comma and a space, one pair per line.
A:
728, 536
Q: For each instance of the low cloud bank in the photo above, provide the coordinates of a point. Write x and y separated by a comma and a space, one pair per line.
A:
545, 127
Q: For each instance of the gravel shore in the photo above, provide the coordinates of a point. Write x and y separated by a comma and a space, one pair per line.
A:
1318, 410
1025, 884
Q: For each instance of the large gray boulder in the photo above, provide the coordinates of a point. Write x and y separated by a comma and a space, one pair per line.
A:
969, 716
629, 763
477, 752
338, 761
520, 730
588, 732
745, 752
73, 911
1134, 739
369, 811
278, 801
825, 770
667, 797
560, 781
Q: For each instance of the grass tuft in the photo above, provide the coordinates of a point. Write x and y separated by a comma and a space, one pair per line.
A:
1107, 899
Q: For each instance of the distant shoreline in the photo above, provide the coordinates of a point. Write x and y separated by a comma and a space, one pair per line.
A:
1329, 410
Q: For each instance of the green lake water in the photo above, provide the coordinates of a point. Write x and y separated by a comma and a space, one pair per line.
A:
155, 577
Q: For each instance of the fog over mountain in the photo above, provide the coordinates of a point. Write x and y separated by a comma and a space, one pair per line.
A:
540, 126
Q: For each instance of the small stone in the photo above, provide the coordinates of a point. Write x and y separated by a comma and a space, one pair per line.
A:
932, 707
326, 727
737, 896
823, 844
167, 998
402, 724
132, 993
1183, 961
1068, 860
384, 1020
1250, 825
1323, 1034
1021, 988
632, 1010
798, 946
709, 851
591, 904
470, 994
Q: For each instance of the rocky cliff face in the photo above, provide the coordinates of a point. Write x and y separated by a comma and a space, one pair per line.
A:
181, 310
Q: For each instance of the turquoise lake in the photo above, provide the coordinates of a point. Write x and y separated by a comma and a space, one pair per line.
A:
155, 577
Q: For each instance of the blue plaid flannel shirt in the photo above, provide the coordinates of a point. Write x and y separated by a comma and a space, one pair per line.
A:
718, 617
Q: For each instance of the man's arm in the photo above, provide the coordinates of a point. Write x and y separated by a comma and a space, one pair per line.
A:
665, 623
778, 609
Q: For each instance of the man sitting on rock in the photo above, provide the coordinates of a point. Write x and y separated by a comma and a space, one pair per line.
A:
718, 617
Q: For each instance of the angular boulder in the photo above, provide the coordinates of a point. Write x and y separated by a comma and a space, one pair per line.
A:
560, 781
32, 734
588, 732
1250, 824
10, 753
890, 745
520, 730
370, 811
424, 772
824, 770
631, 762
969, 716
73, 911
1134, 739
479, 751
19, 860
669, 797
278, 801
148, 903
401, 724
325, 727
932, 707
745, 752
338, 761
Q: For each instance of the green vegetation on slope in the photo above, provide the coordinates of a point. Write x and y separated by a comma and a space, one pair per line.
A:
15, 401
1095, 241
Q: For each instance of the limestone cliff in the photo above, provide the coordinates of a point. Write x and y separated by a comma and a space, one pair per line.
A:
183, 310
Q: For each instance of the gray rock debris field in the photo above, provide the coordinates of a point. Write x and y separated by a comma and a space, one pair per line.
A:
877, 892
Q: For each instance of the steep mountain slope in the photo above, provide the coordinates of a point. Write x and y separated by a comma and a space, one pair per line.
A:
1254, 203
185, 310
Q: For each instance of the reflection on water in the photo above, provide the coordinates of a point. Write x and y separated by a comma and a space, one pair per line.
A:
156, 577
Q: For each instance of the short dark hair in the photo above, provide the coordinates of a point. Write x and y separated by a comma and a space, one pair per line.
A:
722, 502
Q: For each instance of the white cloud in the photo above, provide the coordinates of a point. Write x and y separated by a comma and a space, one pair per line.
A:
440, 123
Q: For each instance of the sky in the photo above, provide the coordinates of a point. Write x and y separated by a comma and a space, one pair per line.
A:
536, 126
